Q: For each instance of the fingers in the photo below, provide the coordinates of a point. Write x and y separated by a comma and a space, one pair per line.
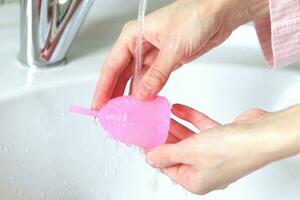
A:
155, 78
153, 81
119, 60
180, 174
171, 139
122, 81
115, 64
198, 119
165, 155
149, 56
179, 131
171, 153
117, 69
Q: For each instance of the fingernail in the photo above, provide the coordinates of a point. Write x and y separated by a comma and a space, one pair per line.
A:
149, 159
176, 109
173, 108
145, 90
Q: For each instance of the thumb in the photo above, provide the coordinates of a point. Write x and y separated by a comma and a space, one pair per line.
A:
164, 156
157, 75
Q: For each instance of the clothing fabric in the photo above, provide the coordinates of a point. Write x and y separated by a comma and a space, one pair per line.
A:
279, 33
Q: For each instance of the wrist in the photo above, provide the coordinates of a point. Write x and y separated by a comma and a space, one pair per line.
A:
257, 9
240, 12
280, 133
287, 127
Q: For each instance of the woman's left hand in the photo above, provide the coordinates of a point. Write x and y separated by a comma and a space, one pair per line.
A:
219, 155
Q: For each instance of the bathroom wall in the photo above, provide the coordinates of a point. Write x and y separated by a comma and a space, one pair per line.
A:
7, 1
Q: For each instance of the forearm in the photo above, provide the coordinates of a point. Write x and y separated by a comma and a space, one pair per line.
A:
288, 129
257, 8
282, 133
240, 12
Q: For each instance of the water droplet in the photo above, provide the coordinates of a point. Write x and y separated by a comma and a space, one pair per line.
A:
154, 183
95, 121
5, 149
21, 192
43, 196
107, 140
54, 91
55, 173
66, 182
46, 128
136, 149
106, 174
184, 194
28, 151
27, 119
292, 168
87, 164
174, 183
13, 178
26, 130
14, 190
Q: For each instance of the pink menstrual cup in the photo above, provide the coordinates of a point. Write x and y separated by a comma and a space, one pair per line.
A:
132, 121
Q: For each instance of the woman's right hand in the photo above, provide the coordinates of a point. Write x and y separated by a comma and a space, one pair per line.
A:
173, 36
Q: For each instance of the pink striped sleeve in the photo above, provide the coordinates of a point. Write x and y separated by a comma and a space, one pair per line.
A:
279, 33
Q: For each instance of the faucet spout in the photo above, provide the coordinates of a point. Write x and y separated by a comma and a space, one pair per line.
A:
48, 28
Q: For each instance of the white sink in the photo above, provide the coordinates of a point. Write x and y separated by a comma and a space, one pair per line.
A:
48, 153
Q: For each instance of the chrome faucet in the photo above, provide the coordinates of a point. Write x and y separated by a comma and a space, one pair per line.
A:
47, 29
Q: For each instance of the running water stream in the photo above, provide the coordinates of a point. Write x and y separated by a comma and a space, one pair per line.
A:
138, 72
139, 44
114, 146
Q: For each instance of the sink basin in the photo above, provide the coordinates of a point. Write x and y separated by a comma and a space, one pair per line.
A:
48, 153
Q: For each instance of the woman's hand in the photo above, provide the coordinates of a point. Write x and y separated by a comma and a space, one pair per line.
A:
221, 155
173, 36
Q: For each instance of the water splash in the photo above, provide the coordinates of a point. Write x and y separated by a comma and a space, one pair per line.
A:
154, 185
43, 195
54, 91
5, 149
113, 159
111, 149
28, 151
112, 146
184, 194
63, 113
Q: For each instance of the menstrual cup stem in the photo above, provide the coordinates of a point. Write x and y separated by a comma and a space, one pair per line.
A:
83, 111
